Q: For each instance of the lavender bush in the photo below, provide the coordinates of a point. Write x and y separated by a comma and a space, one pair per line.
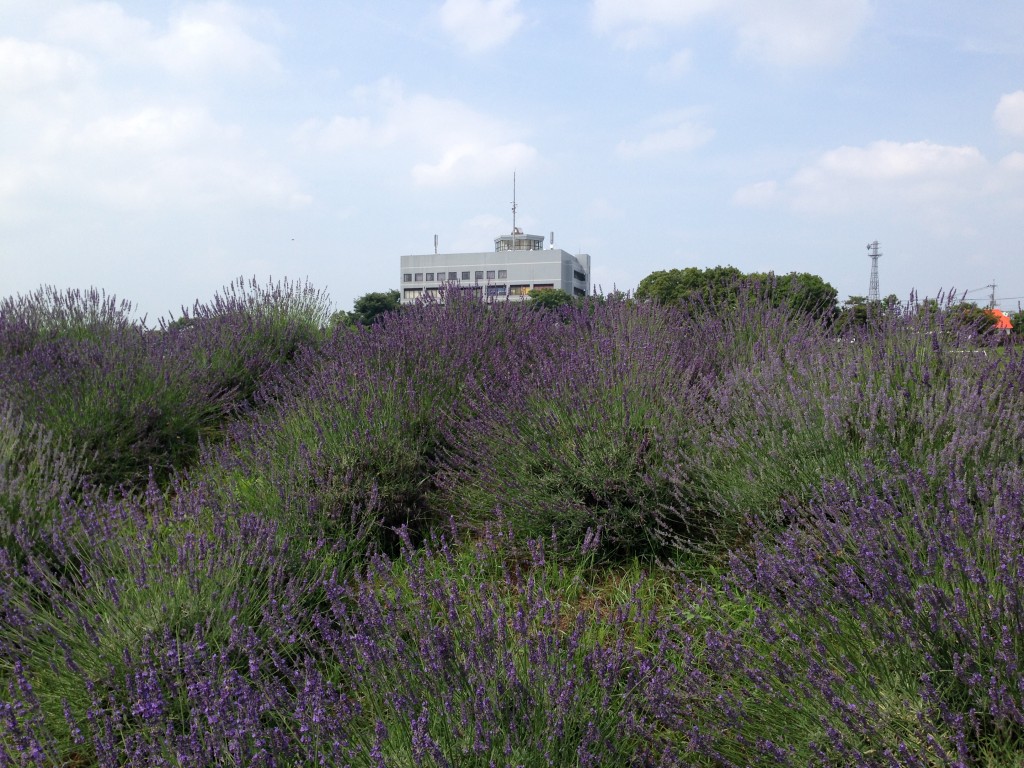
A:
175, 650
576, 437
109, 645
246, 333
48, 313
798, 409
355, 429
883, 629
469, 658
134, 400
428, 542
36, 476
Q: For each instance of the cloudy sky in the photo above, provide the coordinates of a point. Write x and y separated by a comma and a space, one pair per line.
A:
158, 150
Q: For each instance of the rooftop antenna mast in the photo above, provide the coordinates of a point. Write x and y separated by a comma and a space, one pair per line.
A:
513, 210
873, 285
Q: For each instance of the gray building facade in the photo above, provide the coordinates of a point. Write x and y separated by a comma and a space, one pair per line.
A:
518, 264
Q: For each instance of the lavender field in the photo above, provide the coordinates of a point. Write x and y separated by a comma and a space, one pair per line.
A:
610, 534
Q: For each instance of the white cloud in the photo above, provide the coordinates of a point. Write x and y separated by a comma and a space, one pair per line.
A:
678, 64
212, 37
446, 141
889, 160
101, 26
758, 194
792, 33
679, 132
150, 130
1013, 162
886, 173
209, 38
147, 158
1009, 114
338, 134
474, 164
27, 67
629, 17
783, 33
78, 132
480, 25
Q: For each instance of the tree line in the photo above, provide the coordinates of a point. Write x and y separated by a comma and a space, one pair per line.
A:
720, 286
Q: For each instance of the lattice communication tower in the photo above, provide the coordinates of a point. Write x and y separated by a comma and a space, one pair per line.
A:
873, 285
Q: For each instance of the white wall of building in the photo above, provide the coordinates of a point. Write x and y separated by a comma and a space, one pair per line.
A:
495, 274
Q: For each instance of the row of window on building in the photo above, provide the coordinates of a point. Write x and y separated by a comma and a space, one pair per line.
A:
430, 277
476, 290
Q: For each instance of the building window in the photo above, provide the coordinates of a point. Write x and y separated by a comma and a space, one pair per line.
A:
412, 293
541, 286
433, 291
430, 277
453, 275
407, 277
519, 290
495, 290
465, 275
502, 274
578, 292
579, 276
418, 278
490, 274
479, 274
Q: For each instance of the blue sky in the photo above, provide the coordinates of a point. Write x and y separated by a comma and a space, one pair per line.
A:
158, 150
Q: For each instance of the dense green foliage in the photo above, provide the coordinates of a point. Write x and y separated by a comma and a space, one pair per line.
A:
549, 298
720, 286
368, 308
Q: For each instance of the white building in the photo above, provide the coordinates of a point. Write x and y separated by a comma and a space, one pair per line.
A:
518, 264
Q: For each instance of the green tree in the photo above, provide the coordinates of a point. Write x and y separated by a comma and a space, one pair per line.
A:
854, 314
1017, 318
549, 298
801, 292
369, 307
972, 316
673, 285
